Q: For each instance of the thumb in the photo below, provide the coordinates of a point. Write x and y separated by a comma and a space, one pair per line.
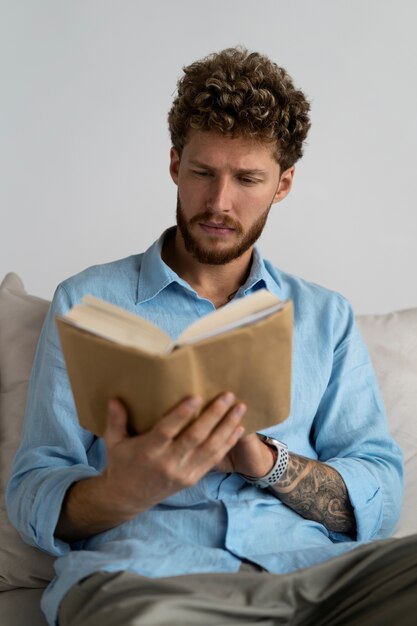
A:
116, 424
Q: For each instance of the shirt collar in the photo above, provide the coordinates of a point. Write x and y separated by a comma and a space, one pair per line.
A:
155, 275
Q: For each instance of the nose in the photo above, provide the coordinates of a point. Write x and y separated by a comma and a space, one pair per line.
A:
220, 197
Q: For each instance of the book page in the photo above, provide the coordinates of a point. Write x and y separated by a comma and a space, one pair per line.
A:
111, 322
233, 315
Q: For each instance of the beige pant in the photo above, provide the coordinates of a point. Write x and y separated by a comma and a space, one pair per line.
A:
374, 585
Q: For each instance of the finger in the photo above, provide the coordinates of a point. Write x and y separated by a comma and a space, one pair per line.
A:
226, 434
221, 411
237, 434
116, 424
169, 426
214, 454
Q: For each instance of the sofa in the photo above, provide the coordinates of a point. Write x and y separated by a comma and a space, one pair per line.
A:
25, 571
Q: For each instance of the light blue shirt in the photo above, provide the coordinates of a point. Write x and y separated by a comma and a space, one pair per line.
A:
337, 417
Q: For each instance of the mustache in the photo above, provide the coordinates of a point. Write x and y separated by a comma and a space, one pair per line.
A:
208, 216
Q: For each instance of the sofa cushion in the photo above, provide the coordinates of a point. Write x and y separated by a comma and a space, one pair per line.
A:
21, 318
392, 343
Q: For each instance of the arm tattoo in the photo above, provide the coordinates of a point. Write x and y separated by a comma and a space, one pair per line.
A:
317, 492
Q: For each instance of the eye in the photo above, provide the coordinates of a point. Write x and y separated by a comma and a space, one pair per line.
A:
248, 181
201, 173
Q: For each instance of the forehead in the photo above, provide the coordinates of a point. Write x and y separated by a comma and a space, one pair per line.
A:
219, 151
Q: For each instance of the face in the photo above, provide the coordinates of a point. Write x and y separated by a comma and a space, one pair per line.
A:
226, 188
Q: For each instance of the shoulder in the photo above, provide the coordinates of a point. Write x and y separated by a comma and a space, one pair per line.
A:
115, 281
305, 291
315, 306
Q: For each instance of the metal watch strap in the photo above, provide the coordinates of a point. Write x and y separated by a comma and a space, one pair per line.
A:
279, 467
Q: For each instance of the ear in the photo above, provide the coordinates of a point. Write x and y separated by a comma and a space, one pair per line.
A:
284, 185
174, 165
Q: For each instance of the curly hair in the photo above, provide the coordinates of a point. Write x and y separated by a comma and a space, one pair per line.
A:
241, 94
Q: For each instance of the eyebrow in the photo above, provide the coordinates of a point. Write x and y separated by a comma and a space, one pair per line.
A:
253, 171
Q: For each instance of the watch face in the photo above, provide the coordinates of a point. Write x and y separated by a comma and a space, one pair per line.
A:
274, 442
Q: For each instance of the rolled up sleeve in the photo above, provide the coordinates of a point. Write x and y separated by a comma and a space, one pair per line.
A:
351, 435
53, 450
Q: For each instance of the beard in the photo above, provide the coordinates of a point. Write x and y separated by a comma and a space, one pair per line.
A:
218, 257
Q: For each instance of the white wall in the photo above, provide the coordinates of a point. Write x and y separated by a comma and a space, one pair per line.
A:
84, 93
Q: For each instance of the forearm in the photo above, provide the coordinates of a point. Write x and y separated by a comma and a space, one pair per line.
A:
89, 509
317, 492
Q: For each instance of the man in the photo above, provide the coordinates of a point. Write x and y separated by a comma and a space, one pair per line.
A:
186, 523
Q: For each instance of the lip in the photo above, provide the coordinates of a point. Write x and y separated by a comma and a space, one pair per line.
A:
216, 229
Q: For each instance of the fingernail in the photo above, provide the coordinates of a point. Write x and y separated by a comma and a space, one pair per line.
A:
228, 397
240, 409
112, 407
194, 402
239, 432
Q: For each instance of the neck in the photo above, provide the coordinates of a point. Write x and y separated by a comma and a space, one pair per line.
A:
217, 283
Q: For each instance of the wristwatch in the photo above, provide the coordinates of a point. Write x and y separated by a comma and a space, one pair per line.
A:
279, 467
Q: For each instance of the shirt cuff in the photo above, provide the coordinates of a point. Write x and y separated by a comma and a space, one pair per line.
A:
47, 506
364, 494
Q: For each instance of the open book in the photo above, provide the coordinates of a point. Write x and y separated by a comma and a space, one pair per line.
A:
244, 346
